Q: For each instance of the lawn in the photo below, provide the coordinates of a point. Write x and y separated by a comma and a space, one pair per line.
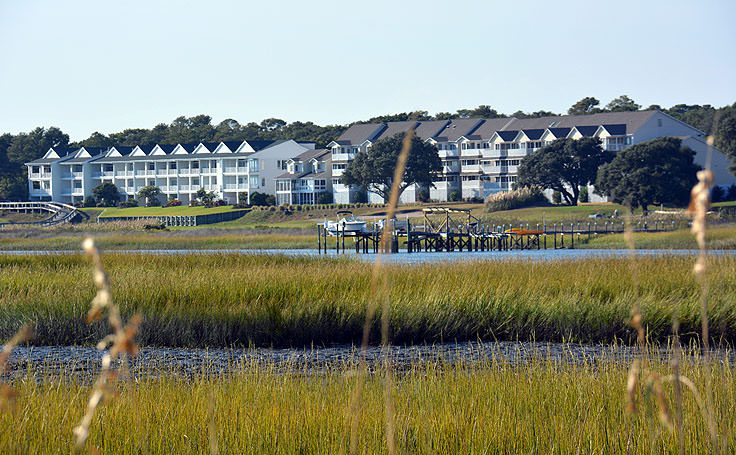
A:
163, 211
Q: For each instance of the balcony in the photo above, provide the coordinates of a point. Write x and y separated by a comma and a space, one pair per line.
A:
448, 153
183, 187
344, 156
471, 152
231, 170
450, 169
471, 168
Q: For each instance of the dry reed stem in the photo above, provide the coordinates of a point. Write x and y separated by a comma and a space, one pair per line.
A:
383, 296
120, 341
7, 392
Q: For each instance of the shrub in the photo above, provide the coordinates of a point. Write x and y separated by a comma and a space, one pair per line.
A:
324, 198
89, 201
453, 196
262, 199
129, 203
509, 200
360, 196
173, 203
422, 195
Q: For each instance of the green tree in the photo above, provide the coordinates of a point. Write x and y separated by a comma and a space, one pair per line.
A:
29, 146
587, 105
106, 194
725, 132
373, 169
207, 198
564, 165
150, 194
658, 171
13, 188
482, 111
621, 104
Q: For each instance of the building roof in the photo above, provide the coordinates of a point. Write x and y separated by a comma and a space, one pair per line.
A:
359, 133
232, 145
632, 119
618, 129
560, 132
533, 134
393, 128
458, 128
489, 127
430, 128
587, 130
508, 135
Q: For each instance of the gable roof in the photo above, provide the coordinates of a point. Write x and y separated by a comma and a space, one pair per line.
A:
507, 136
559, 132
587, 130
533, 134
457, 128
490, 126
618, 129
359, 133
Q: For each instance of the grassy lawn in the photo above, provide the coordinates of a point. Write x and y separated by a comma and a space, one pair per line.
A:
718, 238
163, 211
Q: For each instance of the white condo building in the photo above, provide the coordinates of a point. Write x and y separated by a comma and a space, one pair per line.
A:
232, 170
481, 156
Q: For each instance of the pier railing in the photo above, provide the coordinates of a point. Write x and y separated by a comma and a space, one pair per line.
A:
58, 212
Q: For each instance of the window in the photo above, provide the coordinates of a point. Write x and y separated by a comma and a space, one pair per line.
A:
195, 181
335, 181
35, 169
253, 166
336, 167
469, 162
263, 182
151, 166
253, 182
172, 165
45, 185
659, 122
36, 185
77, 184
47, 169
107, 168
195, 164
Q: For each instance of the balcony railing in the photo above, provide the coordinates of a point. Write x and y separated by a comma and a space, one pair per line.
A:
448, 153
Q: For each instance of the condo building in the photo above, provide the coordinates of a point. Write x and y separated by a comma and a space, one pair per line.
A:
232, 170
479, 157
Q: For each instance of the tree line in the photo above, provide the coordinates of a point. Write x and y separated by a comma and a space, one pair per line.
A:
15, 150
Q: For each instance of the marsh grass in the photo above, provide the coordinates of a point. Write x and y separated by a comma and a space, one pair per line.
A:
137, 240
492, 406
234, 299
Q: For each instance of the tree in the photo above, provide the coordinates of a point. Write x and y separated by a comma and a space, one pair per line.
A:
482, 111
658, 171
262, 199
373, 169
565, 165
13, 188
207, 198
621, 104
106, 194
29, 146
324, 198
586, 105
150, 194
725, 133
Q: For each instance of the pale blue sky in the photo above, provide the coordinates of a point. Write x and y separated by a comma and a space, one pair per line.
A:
104, 66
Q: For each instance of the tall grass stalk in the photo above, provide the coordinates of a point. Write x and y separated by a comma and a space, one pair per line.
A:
382, 295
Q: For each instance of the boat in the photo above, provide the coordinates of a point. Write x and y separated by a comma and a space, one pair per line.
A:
346, 223
517, 231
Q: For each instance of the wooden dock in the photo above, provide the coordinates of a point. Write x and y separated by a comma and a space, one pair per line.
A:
458, 230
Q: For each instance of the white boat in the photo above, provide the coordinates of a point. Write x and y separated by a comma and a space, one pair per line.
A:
346, 223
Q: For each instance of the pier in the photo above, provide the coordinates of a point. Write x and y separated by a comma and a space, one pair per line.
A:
445, 229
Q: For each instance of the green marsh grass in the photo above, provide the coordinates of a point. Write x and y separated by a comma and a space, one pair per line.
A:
542, 406
233, 299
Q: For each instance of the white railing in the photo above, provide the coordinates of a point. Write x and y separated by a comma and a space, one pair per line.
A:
230, 170
448, 153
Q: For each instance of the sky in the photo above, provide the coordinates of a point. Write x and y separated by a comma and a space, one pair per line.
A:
87, 66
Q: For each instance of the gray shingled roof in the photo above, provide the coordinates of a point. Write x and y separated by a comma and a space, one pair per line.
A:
357, 134
430, 128
305, 157
489, 127
393, 128
457, 128
632, 120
